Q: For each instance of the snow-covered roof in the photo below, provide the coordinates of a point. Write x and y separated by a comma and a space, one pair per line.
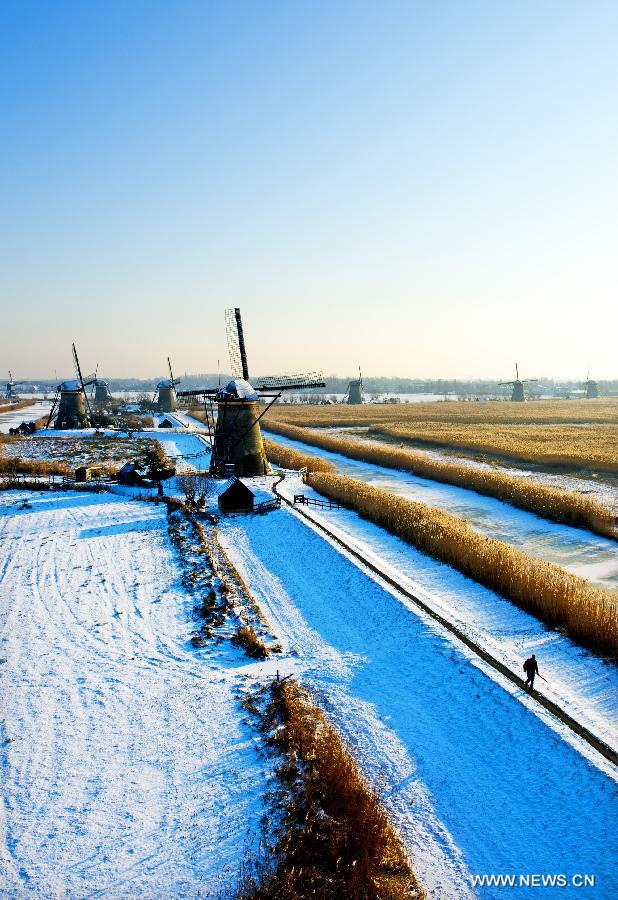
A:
100, 381
237, 389
228, 484
69, 386
166, 383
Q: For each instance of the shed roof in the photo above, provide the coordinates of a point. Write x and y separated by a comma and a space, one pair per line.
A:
232, 483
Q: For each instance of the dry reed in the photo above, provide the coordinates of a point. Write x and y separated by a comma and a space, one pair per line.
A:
542, 412
334, 839
246, 637
557, 433
587, 613
288, 458
557, 504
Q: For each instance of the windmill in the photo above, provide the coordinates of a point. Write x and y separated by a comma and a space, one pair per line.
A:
592, 388
237, 441
101, 394
10, 393
355, 394
517, 395
166, 399
71, 406
10, 388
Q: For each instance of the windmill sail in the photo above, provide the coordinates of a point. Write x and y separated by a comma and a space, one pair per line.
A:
236, 344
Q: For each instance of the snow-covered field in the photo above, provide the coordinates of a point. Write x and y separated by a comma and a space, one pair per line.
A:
126, 768
476, 779
575, 549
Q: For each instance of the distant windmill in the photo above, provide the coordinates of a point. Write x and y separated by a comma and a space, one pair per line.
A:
517, 395
166, 400
355, 394
10, 393
10, 388
237, 442
101, 396
592, 388
71, 406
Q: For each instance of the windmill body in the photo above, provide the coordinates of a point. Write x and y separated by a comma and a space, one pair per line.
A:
237, 443
102, 395
238, 437
592, 388
10, 388
72, 412
355, 394
166, 399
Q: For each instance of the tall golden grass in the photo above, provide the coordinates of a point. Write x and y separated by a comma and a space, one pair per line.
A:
560, 433
335, 839
288, 458
557, 504
565, 446
540, 412
587, 613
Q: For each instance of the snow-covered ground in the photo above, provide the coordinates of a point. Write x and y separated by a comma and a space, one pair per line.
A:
126, 767
14, 417
476, 779
575, 549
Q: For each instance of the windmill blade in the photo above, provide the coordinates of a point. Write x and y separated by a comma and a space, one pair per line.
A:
78, 372
53, 409
506, 383
169, 365
289, 382
199, 392
526, 380
236, 344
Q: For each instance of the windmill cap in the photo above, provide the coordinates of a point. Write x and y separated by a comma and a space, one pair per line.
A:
167, 383
70, 386
237, 389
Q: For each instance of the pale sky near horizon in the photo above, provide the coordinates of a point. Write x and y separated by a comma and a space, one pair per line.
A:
428, 189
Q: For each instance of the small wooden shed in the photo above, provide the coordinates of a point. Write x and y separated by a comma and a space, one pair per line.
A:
235, 496
88, 473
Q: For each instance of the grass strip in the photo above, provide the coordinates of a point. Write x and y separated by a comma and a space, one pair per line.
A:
332, 837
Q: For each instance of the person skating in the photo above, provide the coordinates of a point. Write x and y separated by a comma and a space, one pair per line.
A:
531, 669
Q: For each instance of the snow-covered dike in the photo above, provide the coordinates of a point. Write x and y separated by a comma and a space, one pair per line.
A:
126, 768
475, 779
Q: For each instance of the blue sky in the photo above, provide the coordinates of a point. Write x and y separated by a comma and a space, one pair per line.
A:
424, 188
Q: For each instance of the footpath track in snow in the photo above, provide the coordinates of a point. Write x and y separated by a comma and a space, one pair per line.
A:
126, 767
547, 703
477, 777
